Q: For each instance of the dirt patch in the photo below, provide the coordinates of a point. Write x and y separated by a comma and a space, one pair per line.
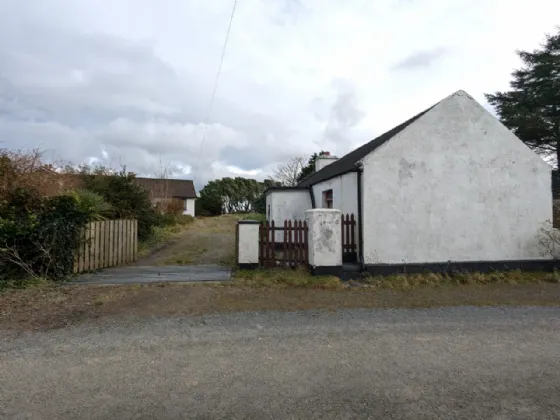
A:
42, 308
209, 240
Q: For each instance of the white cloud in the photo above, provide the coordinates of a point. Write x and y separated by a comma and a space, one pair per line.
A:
129, 81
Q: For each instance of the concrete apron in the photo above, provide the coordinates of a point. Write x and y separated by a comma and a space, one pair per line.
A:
151, 274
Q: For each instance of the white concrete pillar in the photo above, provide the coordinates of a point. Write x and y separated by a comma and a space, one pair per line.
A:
325, 241
248, 243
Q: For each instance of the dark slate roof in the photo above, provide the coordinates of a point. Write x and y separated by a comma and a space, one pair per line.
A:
181, 188
271, 189
347, 163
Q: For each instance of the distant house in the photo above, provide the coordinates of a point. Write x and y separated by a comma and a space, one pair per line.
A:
450, 185
162, 191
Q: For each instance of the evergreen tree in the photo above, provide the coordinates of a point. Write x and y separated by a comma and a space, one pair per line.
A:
531, 108
310, 167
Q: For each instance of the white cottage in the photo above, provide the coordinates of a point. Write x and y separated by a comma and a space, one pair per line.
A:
450, 187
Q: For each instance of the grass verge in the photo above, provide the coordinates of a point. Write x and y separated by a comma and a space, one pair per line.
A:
7, 285
302, 278
409, 281
285, 278
253, 216
56, 306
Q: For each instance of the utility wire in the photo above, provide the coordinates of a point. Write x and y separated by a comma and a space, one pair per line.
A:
205, 132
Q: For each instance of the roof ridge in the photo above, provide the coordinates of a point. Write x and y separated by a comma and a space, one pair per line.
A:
347, 162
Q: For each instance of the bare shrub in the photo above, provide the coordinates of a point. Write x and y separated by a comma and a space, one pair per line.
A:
549, 241
27, 170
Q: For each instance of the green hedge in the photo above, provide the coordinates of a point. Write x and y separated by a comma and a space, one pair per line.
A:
38, 235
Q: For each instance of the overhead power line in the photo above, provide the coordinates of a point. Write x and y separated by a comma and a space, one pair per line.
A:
209, 112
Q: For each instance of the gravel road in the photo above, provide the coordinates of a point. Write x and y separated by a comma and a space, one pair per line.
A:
453, 363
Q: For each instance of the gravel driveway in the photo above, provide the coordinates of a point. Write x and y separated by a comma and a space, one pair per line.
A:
453, 363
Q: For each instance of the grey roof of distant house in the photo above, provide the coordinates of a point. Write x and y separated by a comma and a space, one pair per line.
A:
347, 163
180, 188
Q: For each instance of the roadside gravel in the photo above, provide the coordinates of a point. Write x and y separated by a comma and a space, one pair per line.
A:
449, 363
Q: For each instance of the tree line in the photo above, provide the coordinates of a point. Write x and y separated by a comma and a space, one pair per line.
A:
243, 195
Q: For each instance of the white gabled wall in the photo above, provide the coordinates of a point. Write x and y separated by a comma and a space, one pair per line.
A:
286, 205
456, 185
345, 193
189, 206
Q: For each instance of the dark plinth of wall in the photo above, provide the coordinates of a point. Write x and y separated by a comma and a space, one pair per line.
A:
467, 266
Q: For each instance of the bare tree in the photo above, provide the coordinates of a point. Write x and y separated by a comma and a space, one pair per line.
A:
162, 173
288, 173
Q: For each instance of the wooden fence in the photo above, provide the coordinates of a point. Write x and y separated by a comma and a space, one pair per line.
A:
107, 244
349, 248
291, 252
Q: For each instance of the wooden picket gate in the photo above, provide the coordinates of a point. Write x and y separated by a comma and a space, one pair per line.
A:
108, 243
349, 248
290, 252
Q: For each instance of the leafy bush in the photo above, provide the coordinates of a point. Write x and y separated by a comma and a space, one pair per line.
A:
129, 201
185, 219
207, 205
92, 204
167, 219
37, 235
233, 195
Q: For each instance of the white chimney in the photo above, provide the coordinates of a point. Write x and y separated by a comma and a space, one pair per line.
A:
324, 160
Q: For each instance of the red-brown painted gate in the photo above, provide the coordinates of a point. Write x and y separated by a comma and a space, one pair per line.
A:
349, 248
290, 252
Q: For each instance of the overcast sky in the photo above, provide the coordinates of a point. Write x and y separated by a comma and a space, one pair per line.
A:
130, 81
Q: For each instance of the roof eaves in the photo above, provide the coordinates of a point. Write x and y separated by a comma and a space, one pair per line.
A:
296, 188
356, 169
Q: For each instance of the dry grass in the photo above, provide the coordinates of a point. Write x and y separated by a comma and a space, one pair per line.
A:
253, 216
285, 278
186, 256
217, 224
302, 278
208, 240
159, 237
50, 306
408, 281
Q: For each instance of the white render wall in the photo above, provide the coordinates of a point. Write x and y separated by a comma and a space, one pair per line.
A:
248, 243
324, 237
189, 206
345, 192
456, 185
345, 196
286, 205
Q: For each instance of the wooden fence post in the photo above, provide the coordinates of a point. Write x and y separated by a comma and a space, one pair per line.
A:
126, 241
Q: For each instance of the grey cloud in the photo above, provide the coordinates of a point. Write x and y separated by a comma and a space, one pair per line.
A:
77, 95
420, 59
344, 113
